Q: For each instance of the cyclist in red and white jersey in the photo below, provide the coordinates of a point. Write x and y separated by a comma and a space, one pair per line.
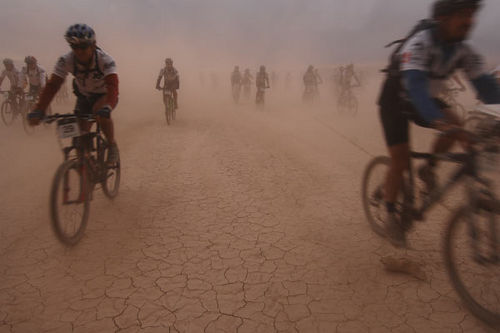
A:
95, 83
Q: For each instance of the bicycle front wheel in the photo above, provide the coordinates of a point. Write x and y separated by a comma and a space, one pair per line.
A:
8, 114
70, 201
472, 260
111, 179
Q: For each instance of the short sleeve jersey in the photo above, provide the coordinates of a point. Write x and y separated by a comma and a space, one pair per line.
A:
34, 77
235, 77
14, 77
89, 81
423, 53
309, 78
169, 75
261, 79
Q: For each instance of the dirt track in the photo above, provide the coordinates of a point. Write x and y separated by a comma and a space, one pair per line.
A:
230, 220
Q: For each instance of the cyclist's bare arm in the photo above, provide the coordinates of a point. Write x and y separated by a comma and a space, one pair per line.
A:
158, 81
111, 98
49, 91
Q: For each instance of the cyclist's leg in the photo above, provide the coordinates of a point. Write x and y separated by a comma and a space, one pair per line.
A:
174, 92
395, 125
400, 155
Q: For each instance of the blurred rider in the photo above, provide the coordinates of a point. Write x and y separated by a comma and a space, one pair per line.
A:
14, 76
310, 81
426, 60
170, 78
34, 75
236, 81
261, 81
246, 81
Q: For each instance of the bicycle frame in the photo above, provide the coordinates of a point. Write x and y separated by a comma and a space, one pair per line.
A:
467, 168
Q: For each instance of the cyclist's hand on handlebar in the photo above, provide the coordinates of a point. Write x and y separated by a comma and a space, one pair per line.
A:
34, 117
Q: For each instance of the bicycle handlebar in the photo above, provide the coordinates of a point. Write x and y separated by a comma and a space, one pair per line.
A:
51, 118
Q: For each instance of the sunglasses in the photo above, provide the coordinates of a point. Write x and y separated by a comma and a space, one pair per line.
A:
82, 46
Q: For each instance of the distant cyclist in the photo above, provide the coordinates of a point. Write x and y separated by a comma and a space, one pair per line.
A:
95, 83
310, 80
236, 81
262, 83
170, 78
349, 79
14, 76
247, 81
427, 58
33, 75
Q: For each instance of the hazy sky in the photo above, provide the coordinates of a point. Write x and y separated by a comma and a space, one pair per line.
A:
208, 32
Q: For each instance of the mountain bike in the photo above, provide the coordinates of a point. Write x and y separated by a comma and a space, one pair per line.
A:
83, 168
259, 97
471, 241
347, 102
235, 92
168, 100
12, 107
310, 94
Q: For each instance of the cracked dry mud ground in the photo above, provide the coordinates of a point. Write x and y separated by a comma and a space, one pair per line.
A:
231, 220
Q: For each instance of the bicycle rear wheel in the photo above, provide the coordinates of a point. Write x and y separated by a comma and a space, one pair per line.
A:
172, 109
475, 272
8, 114
111, 178
70, 201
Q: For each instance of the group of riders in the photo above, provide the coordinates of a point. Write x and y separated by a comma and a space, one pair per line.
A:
32, 76
419, 67
244, 81
343, 79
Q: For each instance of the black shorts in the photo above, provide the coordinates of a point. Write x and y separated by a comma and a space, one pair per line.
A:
396, 112
85, 104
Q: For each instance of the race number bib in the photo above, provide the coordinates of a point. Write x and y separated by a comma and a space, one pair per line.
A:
68, 128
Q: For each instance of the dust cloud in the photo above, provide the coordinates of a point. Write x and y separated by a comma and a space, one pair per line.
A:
233, 216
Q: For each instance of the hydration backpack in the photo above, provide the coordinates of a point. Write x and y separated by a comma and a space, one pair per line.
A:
394, 61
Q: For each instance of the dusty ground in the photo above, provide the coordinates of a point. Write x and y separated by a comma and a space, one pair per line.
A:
231, 220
